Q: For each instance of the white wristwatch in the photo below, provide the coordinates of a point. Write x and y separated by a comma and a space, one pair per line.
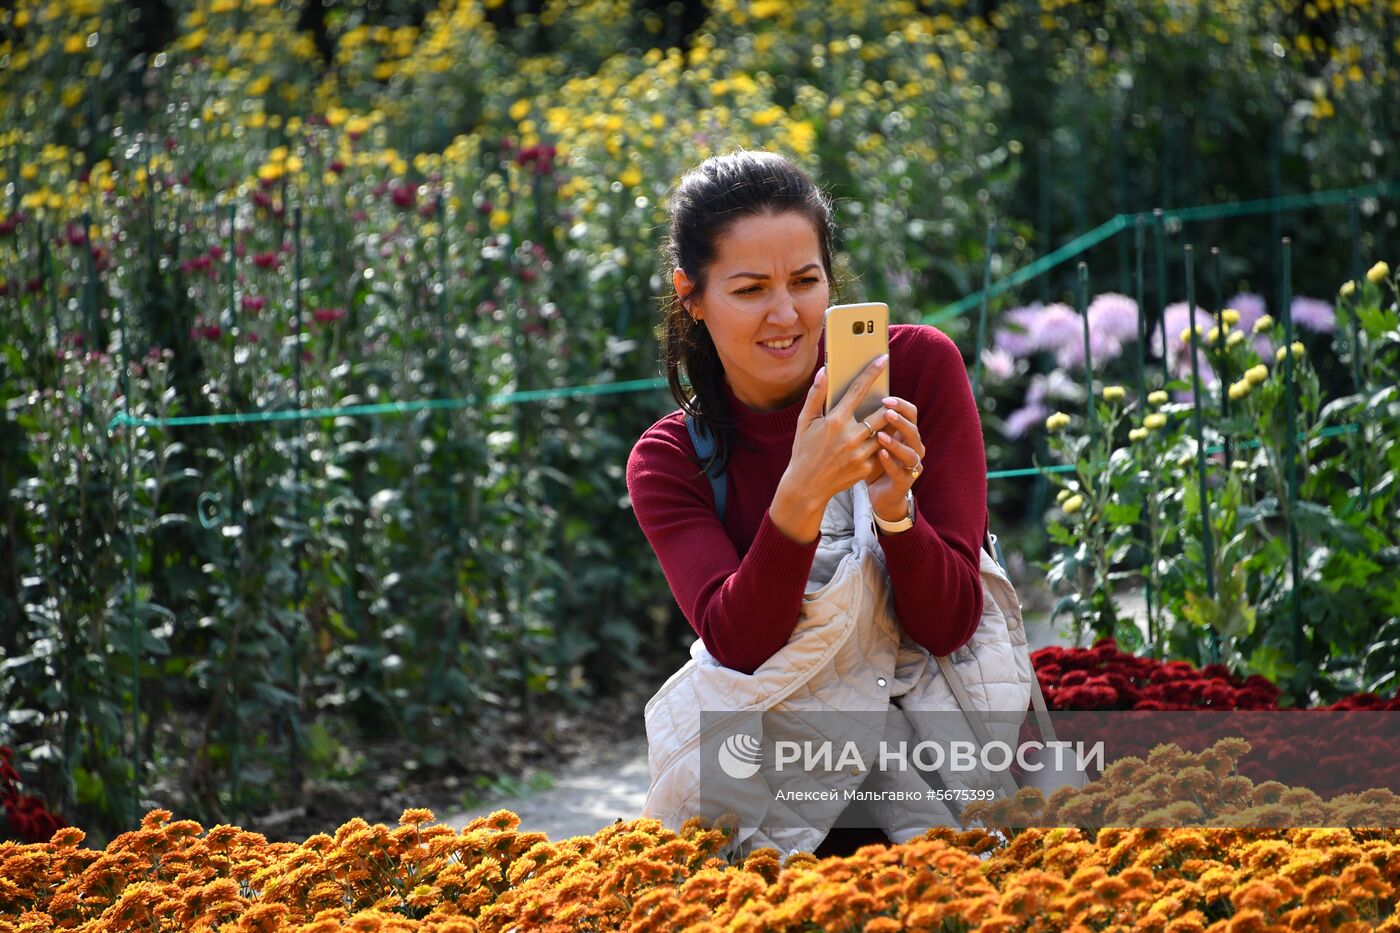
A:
904, 524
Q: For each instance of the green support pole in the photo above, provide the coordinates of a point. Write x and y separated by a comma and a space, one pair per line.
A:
235, 746
1120, 175
1275, 191
1149, 525
982, 315
1207, 536
1082, 298
299, 544
1290, 455
90, 291
1159, 225
129, 436
1139, 240
449, 656
1357, 375
1044, 209
1224, 374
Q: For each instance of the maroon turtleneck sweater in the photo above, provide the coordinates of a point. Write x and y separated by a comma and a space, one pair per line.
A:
741, 583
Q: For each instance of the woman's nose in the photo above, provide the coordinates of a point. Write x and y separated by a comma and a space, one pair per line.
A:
784, 308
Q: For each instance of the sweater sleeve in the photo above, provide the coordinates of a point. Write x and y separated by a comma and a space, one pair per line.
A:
744, 610
935, 567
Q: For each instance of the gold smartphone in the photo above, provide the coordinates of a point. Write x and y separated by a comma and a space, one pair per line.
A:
855, 335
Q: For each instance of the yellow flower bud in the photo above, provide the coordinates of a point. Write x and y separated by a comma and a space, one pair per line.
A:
1154, 421
1072, 504
1297, 351
1347, 288
1213, 335
1062, 495
1264, 323
1112, 393
1056, 421
1137, 434
1186, 335
1230, 316
1239, 465
1236, 337
1239, 390
1256, 374
1157, 398
1378, 274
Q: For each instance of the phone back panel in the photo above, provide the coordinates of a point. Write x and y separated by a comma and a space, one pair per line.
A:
855, 335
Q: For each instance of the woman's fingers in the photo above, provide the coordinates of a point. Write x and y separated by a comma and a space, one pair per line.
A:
895, 451
846, 408
905, 430
816, 399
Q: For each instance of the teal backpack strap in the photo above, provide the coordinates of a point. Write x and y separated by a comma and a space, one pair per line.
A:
704, 449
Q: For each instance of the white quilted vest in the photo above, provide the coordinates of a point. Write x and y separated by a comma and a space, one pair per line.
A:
849, 661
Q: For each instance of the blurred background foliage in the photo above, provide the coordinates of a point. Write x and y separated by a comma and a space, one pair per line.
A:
222, 206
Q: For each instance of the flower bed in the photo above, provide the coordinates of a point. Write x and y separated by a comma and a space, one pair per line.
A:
22, 816
1105, 678
173, 875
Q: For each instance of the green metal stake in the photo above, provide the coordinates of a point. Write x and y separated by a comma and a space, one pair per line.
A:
442, 659
1275, 190
982, 315
50, 284
1159, 223
1167, 152
1139, 236
1043, 227
1357, 375
235, 749
298, 546
1120, 176
1139, 251
129, 436
1082, 297
1221, 343
1207, 535
90, 290
1290, 455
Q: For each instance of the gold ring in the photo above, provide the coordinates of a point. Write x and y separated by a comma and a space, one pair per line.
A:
917, 468
870, 429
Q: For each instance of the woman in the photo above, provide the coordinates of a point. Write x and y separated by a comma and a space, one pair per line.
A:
750, 252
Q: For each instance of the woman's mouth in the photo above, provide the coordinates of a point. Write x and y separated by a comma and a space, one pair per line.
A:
782, 347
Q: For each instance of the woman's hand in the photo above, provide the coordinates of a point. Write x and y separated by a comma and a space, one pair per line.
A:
901, 455
829, 454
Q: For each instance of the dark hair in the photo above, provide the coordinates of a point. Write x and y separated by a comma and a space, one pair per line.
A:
706, 202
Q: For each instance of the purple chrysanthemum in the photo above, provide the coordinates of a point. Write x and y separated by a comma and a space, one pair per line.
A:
1024, 419
998, 363
1313, 314
1019, 339
1116, 315
1058, 326
1250, 306
1178, 316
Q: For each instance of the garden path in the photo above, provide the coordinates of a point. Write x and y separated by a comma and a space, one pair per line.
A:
611, 783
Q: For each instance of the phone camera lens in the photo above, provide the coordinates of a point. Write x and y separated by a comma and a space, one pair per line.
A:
858, 328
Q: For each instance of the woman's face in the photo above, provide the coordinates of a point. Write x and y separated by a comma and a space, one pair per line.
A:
764, 306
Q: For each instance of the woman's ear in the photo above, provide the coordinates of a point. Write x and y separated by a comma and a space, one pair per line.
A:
683, 289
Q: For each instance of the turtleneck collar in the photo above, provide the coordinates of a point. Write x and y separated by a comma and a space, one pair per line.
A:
769, 427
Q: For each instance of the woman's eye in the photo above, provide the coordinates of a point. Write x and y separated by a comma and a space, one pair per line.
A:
755, 289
